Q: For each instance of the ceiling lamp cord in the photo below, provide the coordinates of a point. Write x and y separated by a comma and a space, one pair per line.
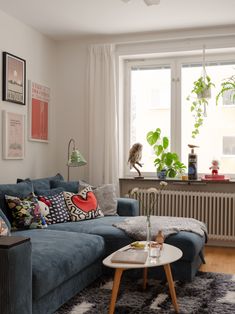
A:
204, 72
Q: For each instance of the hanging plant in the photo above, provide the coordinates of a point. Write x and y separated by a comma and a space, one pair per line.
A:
200, 94
227, 85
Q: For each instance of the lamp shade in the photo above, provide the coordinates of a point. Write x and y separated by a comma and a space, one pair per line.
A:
152, 2
76, 159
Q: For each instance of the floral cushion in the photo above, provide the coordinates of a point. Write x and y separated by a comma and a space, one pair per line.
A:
58, 211
83, 205
25, 212
4, 230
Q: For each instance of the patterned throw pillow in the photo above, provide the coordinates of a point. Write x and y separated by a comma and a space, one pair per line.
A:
57, 207
4, 230
25, 212
83, 205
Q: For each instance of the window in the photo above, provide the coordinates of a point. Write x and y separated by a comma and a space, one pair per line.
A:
218, 123
150, 106
156, 92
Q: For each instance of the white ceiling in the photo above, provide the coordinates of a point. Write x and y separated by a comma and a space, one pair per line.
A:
61, 19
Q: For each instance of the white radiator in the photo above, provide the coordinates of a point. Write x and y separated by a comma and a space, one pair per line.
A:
217, 210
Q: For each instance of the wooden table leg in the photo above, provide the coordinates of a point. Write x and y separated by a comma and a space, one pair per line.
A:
167, 269
116, 283
145, 278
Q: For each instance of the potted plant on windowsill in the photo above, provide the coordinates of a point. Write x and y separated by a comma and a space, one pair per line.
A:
166, 163
200, 94
228, 85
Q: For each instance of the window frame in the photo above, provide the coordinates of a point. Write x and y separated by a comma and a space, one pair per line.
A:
175, 63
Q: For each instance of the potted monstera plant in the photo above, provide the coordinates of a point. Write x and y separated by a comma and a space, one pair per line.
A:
166, 163
198, 98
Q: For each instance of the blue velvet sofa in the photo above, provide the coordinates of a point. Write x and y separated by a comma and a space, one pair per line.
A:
64, 258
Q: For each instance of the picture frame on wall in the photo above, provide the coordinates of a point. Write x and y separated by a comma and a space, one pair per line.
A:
13, 135
14, 77
39, 107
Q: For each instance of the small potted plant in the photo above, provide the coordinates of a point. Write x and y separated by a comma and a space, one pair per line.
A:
200, 94
167, 163
228, 85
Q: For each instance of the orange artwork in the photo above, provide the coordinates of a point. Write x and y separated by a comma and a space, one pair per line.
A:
40, 96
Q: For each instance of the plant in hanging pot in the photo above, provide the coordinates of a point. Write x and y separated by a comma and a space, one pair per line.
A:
166, 163
198, 98
227, 86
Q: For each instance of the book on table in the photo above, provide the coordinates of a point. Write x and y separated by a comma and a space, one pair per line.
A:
130, 257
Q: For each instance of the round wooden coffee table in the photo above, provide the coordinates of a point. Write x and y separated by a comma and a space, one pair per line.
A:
169, 254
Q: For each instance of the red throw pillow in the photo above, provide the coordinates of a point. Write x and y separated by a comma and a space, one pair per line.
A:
83, 205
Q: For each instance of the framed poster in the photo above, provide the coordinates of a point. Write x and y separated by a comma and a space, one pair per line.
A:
39, 97
13, 135
14, 69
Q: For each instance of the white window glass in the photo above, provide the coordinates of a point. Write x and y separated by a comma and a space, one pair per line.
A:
229, 145
217, 134
150, 108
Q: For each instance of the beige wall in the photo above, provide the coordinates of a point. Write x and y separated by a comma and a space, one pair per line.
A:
40, 55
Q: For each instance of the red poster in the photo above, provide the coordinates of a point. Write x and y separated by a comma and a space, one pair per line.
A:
40, 96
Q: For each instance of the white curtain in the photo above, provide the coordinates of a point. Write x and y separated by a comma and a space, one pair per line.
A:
103, 138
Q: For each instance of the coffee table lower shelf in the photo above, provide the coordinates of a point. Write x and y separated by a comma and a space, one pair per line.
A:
169, 255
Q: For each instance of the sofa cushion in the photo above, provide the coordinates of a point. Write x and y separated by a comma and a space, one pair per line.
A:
22, 189
42, 183
107, 199
4, 229
114, 238
58, 211
59, 255
82, 206
48, 192
3, 216
70, 186
190, 243
25, 212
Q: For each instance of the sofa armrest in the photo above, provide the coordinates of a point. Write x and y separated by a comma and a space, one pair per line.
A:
127, 207
15, 275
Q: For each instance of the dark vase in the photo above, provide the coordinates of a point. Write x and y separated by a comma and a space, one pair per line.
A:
161, 174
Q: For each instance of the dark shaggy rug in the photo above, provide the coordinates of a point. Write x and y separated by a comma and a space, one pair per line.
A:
209, 293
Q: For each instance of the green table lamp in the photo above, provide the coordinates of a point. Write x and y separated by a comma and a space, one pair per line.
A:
75, 158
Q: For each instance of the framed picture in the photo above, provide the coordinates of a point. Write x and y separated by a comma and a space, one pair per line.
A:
39, 97
13, 135
14, 69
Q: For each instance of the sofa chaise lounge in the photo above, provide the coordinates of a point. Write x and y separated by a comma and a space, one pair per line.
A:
44, 272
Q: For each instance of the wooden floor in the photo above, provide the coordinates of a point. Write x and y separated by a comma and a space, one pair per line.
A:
219, 259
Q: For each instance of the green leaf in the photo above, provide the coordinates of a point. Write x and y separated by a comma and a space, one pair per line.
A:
159, 150
152, 138
172, 173
165, 142
157, 161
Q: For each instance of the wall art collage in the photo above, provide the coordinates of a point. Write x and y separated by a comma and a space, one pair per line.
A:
14, 91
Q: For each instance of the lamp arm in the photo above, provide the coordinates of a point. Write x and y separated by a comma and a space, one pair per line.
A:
71, 141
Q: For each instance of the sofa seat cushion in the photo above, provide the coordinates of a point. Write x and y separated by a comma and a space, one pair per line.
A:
114, 238
190, 243
59, 255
